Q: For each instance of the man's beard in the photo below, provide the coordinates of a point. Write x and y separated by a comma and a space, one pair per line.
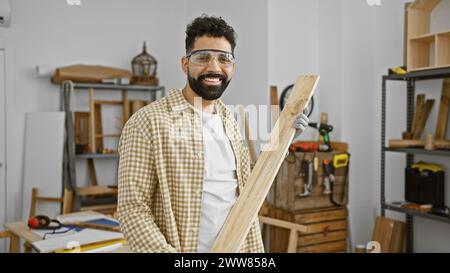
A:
208, 92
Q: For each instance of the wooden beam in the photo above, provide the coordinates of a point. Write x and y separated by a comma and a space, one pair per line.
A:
275, 104
417, 143
251, 147
125, 107
441, 126
422, 118
426, 5
245, 211
419, 102
92, 140
283, 224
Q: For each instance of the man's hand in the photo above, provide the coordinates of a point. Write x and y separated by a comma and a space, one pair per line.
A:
300, 124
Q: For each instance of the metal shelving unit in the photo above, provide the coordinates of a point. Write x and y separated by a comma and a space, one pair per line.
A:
410, 79
69, 162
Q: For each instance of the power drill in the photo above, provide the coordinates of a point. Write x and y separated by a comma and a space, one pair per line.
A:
324, 131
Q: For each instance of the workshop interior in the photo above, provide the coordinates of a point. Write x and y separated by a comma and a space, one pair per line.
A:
369, 174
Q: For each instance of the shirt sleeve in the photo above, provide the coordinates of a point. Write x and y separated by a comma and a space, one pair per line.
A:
137, 182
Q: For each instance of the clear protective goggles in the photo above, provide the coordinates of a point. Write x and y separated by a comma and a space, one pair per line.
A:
205, 56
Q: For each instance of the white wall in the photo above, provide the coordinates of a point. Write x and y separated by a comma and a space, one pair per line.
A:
111, 33
293, 33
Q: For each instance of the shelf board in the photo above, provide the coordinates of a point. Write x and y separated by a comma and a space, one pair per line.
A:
428, 74
99, 86
90, 155
418, 151
429, 36
424, 38
413, 212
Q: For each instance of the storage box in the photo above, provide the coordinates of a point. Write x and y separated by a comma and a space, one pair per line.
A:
327, 231
424, 184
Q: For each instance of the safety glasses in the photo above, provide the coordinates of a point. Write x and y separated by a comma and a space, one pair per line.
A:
205, 56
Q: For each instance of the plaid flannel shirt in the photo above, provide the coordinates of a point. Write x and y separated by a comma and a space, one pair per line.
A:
161, 175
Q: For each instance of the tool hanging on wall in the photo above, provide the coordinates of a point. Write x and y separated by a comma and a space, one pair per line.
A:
328, 177
324, 131
329, 168
306, 171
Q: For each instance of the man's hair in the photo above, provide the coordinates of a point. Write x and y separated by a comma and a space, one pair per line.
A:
210, 26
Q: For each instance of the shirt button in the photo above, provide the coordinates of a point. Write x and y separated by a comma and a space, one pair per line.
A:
199, 154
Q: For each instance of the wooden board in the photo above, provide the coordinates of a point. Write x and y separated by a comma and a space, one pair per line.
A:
250, 146
390, 234
98, 126
417, 143
92, 133
320, 238
81, 127
422, 118
44, 140
323, 226
244, 212
426, 5
442, 120
275, 103
126, 111
339, 246
320, 216
289, 184
419, 102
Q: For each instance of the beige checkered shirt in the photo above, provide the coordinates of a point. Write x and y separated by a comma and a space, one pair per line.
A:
161, 172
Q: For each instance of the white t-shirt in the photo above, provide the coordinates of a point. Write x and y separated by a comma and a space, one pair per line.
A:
220, 184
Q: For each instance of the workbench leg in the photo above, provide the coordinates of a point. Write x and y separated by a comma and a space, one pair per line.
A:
293, 239
14, 244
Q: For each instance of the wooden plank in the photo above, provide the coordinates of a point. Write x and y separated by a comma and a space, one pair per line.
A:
283, 224
136, 105
96, 190
325, 227
324, 248
108, 102
426, 5
249, 142
320, 238
98, 127
390, 234
245, 210
330, 215
125, 107
81, 127
417, 143
275, 103
405, 34
67, 201
92, 139
293, 239
422, 118
279, 237
419, 102
289, 184
442, 120
91, 171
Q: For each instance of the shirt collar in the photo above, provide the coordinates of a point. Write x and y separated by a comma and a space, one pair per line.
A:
177, 103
